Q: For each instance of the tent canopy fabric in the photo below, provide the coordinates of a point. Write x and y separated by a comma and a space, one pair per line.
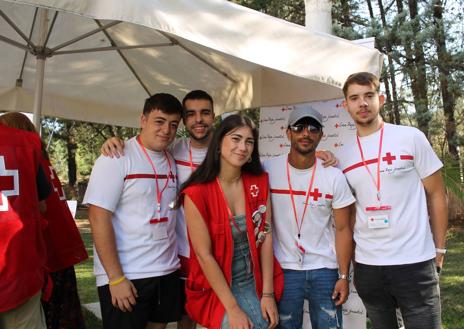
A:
243, 58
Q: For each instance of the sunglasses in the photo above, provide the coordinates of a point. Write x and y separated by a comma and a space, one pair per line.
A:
300, 127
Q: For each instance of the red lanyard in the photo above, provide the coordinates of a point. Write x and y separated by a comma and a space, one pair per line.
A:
307, 196
231, 216
377, 184
159, 193
190, 156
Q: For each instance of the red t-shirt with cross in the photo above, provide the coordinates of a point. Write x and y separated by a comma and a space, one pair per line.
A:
22, 250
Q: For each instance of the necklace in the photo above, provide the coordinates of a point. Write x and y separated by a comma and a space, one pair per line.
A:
233, 180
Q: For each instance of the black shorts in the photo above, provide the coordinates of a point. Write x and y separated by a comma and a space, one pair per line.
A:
158, 301
183, 298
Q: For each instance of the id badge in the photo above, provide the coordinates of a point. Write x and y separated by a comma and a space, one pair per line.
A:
159, 228
160, 232
378, 217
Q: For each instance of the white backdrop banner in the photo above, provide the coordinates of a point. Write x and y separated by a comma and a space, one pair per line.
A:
338, 128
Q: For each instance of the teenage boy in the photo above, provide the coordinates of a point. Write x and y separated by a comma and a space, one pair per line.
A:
131, 210
401, 212
188, 153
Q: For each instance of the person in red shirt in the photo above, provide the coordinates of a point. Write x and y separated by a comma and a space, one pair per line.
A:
64, 245
22, 252
228, 219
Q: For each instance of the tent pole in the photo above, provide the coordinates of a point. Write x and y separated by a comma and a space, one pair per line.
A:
40, 69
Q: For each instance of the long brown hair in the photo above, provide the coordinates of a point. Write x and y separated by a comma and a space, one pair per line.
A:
20, 121
211, 165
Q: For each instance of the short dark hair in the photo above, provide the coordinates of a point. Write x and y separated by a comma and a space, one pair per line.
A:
211, 165
198, 94
166, 103
363, 79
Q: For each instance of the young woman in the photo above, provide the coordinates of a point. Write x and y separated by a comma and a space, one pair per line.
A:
233, 279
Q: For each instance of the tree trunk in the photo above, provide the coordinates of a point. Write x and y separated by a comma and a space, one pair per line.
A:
447, 96
369, 7
71, 147
389, 75
346, 12
419, 79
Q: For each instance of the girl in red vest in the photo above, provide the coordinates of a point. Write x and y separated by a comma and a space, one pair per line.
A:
233, 280
64, 245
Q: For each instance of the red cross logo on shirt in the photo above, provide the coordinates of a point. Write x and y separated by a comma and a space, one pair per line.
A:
254, 190
9, 184
315, 194
389, 158
56, 184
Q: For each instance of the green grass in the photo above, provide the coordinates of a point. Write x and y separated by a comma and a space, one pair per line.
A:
451, 283
84, 273
86, 284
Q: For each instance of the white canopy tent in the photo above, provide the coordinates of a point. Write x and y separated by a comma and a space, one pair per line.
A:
102, 58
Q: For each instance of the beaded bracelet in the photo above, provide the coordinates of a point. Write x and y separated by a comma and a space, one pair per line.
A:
117, 281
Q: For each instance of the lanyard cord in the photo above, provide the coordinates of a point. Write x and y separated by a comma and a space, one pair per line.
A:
307, 196
190, 156
376, 184
159, 193
231, 216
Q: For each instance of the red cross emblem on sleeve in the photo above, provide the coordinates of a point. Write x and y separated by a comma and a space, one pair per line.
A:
254, 190
9, 184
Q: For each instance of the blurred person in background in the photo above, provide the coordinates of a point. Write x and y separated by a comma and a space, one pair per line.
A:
64, 245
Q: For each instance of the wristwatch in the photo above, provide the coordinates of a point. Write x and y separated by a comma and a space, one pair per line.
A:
440, 250
343, 277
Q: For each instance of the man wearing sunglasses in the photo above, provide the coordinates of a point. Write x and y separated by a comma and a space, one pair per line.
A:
315, 257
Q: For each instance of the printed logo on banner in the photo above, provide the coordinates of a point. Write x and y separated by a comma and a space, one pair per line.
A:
338, 127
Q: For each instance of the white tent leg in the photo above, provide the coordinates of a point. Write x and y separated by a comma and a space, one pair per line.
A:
40, 70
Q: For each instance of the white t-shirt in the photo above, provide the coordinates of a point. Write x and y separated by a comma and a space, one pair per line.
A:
126, 186
187, 160
407, 157
329, 191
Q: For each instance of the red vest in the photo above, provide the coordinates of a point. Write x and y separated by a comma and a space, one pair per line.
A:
202, 304
62, 239
22, 250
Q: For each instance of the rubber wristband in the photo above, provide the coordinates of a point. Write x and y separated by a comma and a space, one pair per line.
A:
440, 250
117, 281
